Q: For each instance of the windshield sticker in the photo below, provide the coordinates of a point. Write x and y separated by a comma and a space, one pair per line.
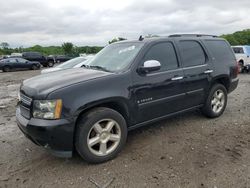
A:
127, 49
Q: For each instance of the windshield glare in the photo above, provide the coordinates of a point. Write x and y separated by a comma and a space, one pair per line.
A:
71, 63
116, 57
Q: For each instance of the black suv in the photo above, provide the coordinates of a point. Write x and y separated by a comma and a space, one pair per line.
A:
36, 56
126, 85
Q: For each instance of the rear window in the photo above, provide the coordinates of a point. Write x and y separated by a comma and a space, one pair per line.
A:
238, 50
192, 53
220, 50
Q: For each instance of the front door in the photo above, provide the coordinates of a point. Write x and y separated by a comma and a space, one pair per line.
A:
160, 92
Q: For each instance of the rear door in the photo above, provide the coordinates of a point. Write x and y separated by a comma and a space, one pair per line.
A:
197, 69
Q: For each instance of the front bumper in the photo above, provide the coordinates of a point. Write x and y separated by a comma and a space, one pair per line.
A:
54, 135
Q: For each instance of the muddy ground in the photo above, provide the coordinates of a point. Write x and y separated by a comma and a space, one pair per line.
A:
188, 150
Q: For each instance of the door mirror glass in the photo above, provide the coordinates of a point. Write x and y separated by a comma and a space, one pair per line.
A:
149, 66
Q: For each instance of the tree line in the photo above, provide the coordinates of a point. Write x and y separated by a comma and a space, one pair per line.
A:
67, 48
238, 38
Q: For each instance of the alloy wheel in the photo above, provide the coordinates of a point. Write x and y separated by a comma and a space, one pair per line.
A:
218, 101
104, 137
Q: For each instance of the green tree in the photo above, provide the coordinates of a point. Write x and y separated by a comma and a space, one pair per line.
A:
238, 38
4, 45
67, 48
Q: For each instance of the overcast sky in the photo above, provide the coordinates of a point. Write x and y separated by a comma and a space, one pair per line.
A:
93, 22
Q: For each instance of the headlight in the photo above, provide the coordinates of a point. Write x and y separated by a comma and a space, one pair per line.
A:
47, 109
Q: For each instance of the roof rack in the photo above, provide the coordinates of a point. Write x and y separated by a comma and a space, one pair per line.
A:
192, 35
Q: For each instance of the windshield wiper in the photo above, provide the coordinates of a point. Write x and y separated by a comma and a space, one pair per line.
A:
96, 67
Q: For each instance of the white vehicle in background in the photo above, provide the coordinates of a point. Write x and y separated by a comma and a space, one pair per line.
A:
242, 54
73, 63
16, 54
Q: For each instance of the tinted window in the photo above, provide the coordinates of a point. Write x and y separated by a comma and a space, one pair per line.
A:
238, 50
165, 54
12, 60
192, 53
32, 54
20, 60
221, 51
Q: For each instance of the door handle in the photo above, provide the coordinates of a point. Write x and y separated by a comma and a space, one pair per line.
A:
208, 71
177, 78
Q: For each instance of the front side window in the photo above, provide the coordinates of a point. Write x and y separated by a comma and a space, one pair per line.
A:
192, 53
163, 52
115, 57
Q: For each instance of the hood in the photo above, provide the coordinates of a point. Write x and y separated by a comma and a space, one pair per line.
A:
40, 86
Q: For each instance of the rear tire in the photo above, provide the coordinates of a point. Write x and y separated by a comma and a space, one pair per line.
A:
6, 69
101, 134
216, 101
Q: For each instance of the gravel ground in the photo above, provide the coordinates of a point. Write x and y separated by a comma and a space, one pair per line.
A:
188, 150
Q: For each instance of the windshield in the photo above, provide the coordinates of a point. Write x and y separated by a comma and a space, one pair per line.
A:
115, 57
71, 63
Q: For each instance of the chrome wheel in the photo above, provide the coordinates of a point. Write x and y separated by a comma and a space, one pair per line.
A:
218, 101
104, 137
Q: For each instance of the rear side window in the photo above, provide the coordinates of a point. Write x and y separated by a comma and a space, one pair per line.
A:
238, 50
163, 52
192, 53
220, 50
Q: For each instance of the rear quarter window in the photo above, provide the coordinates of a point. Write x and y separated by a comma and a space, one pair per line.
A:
220, 49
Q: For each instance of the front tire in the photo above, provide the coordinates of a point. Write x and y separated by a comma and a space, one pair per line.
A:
101, 134
216, 101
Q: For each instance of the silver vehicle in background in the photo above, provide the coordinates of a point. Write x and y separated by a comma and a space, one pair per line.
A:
73, 63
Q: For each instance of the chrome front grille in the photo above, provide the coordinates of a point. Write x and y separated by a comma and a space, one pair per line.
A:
25, 99
25, 105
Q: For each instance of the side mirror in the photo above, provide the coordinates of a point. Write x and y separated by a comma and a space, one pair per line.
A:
149, 66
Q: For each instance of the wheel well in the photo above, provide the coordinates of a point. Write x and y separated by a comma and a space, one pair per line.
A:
224, 81
117, 106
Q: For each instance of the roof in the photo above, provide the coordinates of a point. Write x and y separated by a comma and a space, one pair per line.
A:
174, 36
